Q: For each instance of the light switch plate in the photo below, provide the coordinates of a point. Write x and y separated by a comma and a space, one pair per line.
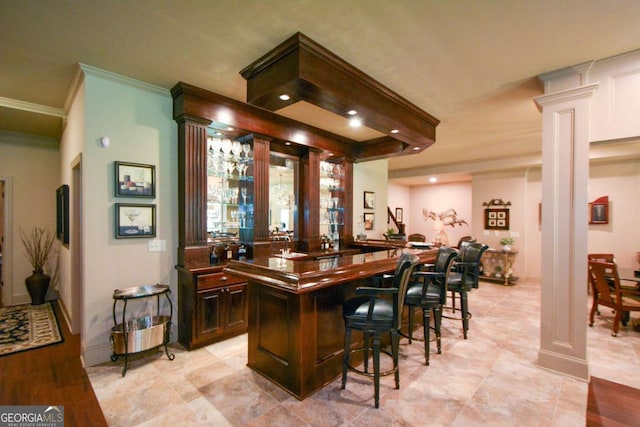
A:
157, 245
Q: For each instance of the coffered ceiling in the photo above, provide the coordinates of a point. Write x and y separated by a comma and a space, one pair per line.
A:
471, 64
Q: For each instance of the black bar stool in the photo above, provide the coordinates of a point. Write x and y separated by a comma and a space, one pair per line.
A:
374, 315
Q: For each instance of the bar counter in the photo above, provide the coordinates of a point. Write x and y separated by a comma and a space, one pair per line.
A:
296, 331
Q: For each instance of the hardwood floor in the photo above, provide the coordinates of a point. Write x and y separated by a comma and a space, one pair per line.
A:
52, 375
612, 404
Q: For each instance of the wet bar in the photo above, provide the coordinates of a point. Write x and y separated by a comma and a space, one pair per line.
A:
296, 331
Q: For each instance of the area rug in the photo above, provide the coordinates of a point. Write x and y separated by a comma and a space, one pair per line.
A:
25, 327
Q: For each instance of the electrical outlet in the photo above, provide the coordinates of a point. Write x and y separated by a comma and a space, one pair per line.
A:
515, 234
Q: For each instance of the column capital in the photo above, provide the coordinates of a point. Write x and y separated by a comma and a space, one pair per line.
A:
565, 95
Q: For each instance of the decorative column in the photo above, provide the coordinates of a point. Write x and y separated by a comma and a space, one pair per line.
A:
565, 175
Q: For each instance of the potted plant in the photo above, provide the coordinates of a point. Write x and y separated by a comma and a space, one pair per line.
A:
506, 243
38, 248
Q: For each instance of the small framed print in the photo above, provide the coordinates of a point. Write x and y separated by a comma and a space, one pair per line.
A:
368, 221
399, 214
133, 220
369, 200
496, 219
135, 180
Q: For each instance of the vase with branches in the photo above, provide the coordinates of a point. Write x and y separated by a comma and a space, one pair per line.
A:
40, 252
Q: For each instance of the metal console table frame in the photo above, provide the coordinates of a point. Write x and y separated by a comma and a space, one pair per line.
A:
139, 292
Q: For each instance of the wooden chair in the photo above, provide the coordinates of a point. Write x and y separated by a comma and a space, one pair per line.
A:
601, 258
620, 299
417, 237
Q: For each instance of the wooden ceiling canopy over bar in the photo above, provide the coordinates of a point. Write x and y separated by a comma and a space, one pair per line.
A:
308, 72
199, 104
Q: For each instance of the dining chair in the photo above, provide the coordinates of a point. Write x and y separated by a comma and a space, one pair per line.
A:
428, 291
372, 313
465, 277
601, 258
416, 237
621, 300
463, 239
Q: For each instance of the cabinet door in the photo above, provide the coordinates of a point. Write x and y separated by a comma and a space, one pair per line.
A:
237, 307
210, 313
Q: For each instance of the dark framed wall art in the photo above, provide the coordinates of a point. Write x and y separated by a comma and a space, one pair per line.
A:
134, 220
599, 211
369, 221
369, 200
62, 214
135, 180
496, 219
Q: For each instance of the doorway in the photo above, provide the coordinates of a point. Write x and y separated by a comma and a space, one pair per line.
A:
6, 248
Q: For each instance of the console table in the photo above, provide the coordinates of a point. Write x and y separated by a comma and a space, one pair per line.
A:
497, 266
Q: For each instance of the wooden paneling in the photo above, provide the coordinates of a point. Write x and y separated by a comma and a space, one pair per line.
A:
296, 330
307, 71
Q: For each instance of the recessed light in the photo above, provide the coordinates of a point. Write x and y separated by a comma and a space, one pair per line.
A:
416, 148
330, 154
287, 143
352, 112
355, 122
218, 133
433, 179
285, 97
229, 129
394, 131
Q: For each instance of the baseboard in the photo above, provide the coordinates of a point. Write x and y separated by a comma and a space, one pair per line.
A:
563, 364
97, 354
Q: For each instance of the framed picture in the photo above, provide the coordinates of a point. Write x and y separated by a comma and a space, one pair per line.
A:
599, 211
496, 219
135, 180
134, 220
368, 221
399, 214
369, 200
62, 214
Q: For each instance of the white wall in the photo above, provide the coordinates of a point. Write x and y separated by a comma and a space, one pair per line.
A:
370, 176
508, 186
621, 182
138, 120
71, 146
29, 164
438, 199
399, 196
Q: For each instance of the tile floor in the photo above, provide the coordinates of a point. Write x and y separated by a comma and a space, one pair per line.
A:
491, 379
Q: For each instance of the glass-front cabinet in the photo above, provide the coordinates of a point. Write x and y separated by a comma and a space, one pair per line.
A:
250, 184
229, 189
332, 202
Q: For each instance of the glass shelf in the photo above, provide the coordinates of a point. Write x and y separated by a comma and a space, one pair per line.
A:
229, 188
